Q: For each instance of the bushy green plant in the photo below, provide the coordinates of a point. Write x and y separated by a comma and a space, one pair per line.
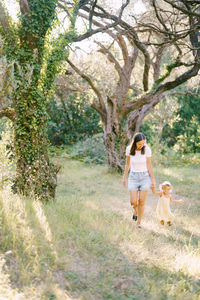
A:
189, 140
91, 150
72, 121
3, 124
57, 151
6, 157
34, 55
179, 130
168, 156
184, 134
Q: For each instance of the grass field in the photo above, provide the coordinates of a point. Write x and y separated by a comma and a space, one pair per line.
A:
85, 246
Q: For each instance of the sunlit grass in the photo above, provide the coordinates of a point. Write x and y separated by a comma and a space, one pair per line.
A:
85, 245
186, 180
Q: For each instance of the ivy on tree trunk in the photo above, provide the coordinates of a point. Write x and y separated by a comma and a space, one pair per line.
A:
34, 71
34, 62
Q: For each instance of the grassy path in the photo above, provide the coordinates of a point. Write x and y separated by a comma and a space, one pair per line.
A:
87, 247
114, 260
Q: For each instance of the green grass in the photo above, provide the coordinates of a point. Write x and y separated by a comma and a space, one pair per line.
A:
85, 246
186, 180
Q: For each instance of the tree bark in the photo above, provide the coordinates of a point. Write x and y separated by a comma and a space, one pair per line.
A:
113, 158
114, 136
150, 40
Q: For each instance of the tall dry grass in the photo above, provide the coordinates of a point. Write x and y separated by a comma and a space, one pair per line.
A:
86, 246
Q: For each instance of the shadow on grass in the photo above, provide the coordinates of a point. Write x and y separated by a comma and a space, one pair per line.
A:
99, 269
27, 251
90, 244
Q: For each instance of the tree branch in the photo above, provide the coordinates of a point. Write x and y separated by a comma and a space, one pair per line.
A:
131, 32
111, 58
159, 17
24, 6
99, 96
94, 31
91, 14
134, 56
123, 47
180, 93
135, 89
117, 37
147, 98
185, 11
157, 63
122, 8
100, 111
7, 31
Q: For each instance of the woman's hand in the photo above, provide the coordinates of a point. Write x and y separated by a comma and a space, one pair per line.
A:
124, 182
153, 184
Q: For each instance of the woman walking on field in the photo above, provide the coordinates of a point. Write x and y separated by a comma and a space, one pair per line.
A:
141, 177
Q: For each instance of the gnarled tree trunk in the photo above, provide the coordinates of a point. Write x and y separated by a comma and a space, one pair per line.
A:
145, 41
115, 136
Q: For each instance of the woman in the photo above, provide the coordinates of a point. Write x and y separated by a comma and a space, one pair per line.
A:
141, 177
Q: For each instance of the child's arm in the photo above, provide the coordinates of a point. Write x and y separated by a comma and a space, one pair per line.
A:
176, 201
156, 193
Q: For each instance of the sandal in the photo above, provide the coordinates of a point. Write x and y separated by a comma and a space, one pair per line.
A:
134, 217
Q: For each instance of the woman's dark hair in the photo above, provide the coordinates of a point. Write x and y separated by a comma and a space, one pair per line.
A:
137, 138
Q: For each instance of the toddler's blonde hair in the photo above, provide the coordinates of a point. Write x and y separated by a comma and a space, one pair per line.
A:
165, 183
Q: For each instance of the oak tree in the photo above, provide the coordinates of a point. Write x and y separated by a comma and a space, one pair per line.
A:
166, 29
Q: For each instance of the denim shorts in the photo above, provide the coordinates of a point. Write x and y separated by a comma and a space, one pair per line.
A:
139, 181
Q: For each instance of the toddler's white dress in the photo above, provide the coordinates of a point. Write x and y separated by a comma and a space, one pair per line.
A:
163, 209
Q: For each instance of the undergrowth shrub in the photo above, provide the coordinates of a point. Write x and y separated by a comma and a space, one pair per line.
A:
166, 156
7, 163
72, 121
91, 150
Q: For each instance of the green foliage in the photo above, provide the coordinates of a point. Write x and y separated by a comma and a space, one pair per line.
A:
91, 150
175, 130
169, 68
184, 134
72, 121
6, 157
34, 72
149, 130
3, 125
164, 156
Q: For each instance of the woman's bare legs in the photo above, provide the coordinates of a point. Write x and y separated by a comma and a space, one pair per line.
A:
141, 204
134, 200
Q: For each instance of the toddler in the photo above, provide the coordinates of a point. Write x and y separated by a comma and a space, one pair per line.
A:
163, 207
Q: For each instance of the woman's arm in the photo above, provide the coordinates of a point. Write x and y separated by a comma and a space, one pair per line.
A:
176, 201
150, 169
127, 167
